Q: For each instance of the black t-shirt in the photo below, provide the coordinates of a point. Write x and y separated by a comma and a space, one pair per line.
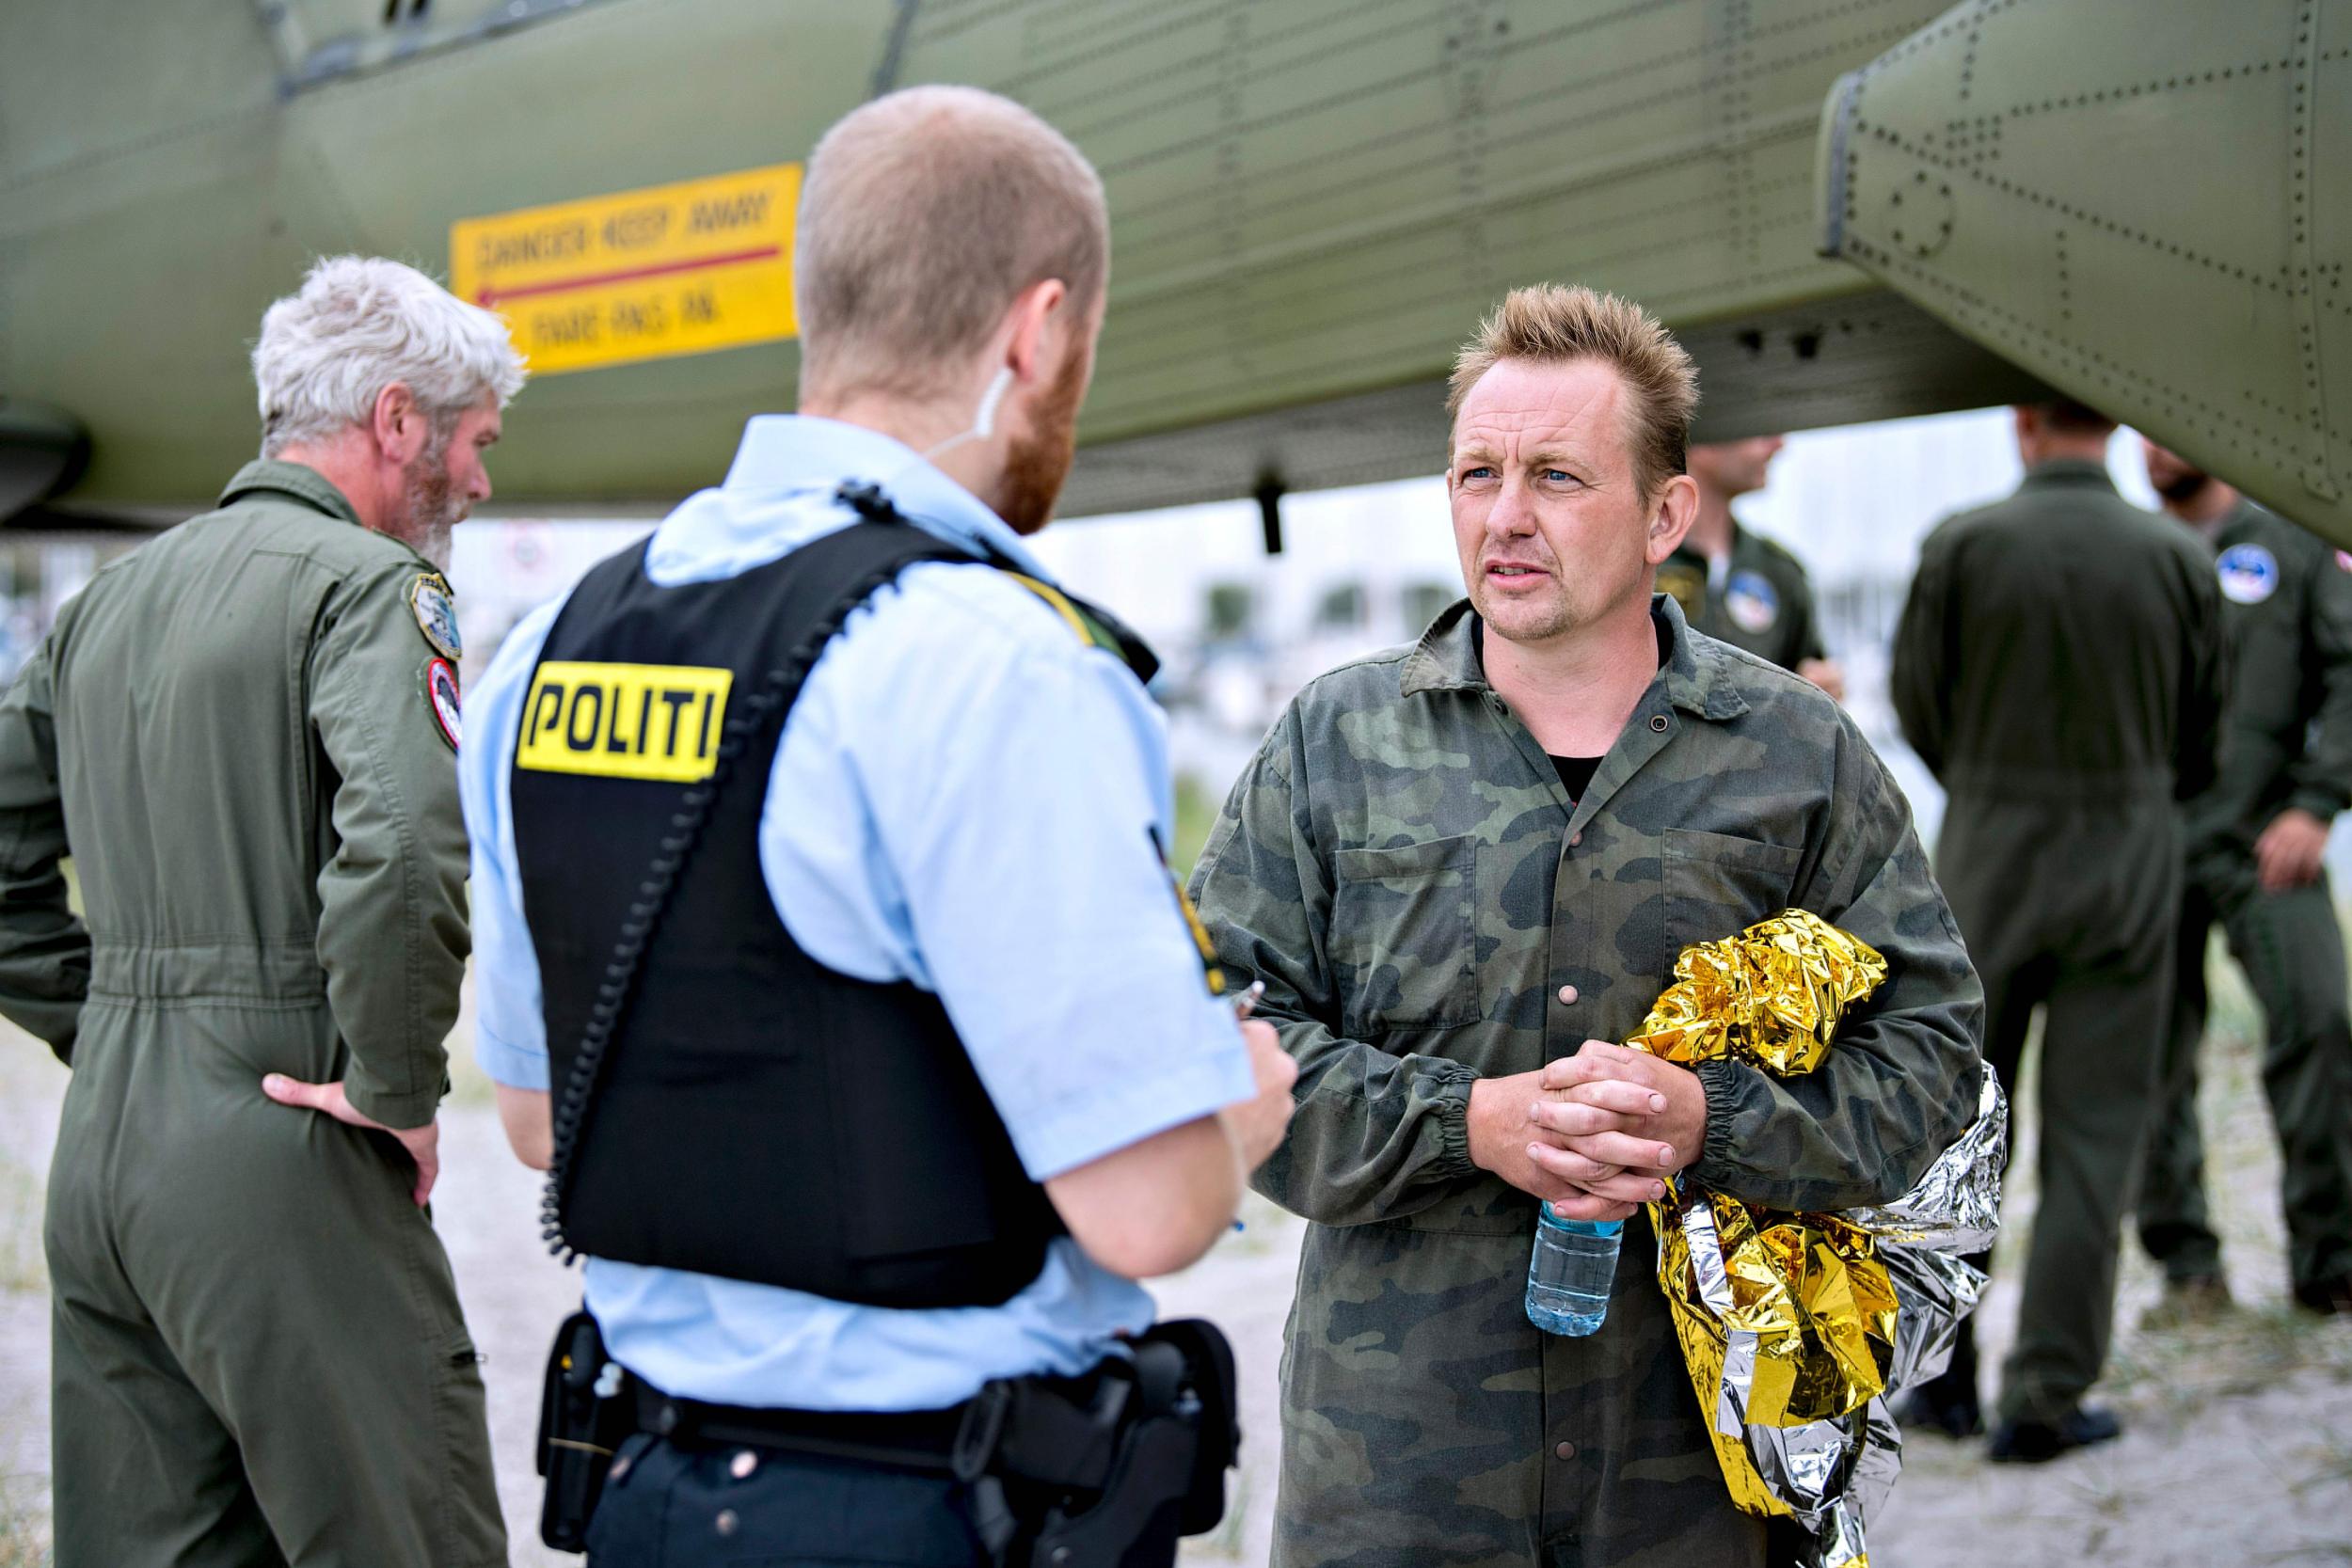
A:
1576, 774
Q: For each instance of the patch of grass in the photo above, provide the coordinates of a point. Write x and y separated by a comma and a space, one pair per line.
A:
23, 1266
2334, 1455
2182, 1370
24, 1532
1224, 1542
1263, 1226
1196, 815
468, 1084
2230, 1010
2318, 1551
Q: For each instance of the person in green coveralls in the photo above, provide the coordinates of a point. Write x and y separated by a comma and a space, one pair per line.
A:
2254, 846
2058, 669
243, 733
1735, 584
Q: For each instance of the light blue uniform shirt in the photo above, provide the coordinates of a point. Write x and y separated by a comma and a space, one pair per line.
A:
965, 797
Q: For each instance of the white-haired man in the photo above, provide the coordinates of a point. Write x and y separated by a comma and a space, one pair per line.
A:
242, 733
840, 826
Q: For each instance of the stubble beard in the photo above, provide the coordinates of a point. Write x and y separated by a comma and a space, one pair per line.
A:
2186, 487
1570, 611
1036, 462
1516, 621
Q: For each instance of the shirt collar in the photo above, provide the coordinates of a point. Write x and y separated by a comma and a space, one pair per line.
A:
1446, 657
305, 485
1696, 672
2068, 470
804, 453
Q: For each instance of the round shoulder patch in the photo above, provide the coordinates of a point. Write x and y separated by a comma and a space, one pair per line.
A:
1753, 601
437, 614
2250, 574
440, 695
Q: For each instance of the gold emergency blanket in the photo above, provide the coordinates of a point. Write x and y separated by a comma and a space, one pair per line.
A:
1789, 1322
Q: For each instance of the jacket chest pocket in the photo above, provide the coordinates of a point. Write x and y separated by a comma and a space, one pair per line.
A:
1718, 885
1402, 935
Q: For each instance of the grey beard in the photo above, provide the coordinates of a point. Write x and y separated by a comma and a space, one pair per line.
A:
427, 509
2185, 489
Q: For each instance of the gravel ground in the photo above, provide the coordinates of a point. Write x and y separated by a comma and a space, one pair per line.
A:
2238, 1446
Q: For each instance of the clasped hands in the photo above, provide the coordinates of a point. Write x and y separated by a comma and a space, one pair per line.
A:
1593, 1135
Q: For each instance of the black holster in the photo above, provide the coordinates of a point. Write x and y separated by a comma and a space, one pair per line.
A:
584, 1413
1107, 1470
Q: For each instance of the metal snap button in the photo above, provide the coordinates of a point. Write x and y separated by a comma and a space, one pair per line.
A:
1567, 995
742, 1464
1564, 1450
728, 1523
1658, 722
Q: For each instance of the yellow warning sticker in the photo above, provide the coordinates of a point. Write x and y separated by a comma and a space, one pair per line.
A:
685, 268
658, 722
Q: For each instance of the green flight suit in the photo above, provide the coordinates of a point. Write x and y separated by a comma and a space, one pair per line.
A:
257, 1355
2059, 668
1403, 868
2287, 743
1761, 601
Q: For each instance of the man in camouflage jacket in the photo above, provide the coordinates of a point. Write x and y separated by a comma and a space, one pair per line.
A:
1448, 916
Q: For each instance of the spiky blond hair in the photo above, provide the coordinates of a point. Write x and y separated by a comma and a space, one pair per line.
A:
1549, 323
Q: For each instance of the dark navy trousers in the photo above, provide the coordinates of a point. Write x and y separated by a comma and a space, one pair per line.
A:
674, 1506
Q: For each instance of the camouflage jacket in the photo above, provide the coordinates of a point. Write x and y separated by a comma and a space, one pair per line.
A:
1401, 866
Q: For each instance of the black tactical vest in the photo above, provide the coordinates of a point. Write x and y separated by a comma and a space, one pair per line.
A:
754, 1114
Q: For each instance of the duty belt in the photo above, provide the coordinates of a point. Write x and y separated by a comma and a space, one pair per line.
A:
1054, 1432
911, 1439
1101, 1470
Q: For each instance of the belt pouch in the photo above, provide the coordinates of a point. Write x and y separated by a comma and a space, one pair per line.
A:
584, 1413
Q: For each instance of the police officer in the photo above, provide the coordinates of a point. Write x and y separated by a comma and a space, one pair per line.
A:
242, 733
2254, 845
2058, 667
1735, 584
922, 1062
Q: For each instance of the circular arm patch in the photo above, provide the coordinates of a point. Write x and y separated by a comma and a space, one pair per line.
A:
437, 614
440, 695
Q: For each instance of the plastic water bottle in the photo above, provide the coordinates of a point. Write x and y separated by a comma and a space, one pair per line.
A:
1569, 1273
